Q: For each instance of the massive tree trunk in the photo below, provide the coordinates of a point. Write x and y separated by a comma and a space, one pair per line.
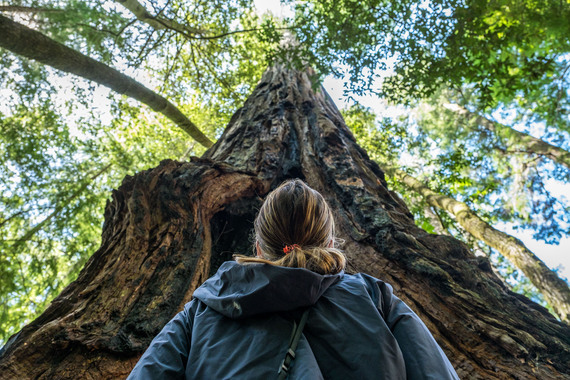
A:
169, 228
34, 45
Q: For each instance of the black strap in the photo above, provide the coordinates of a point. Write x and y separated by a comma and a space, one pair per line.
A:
290, 355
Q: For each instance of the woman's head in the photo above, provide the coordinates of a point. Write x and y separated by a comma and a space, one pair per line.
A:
295, 228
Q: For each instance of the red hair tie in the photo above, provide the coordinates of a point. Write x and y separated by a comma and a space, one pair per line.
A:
288, 248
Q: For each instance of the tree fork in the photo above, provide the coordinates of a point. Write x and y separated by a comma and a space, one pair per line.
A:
168, 228
34, 45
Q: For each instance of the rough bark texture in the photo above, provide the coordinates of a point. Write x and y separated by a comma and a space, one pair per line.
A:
169, 228
31, 44
555, 290
514, 138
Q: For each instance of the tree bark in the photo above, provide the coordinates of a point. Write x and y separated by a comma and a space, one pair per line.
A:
34, 45
555, 290
169, 228
515, 138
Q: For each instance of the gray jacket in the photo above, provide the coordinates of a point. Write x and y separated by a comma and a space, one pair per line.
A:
239, 323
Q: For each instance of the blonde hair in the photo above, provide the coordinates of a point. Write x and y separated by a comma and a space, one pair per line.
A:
297, 217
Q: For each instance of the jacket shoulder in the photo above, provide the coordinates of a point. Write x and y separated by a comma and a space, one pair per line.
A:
380, 292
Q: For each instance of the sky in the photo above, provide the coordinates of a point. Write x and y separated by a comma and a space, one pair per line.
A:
556, 257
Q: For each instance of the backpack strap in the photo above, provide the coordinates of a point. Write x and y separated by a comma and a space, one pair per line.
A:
290, 355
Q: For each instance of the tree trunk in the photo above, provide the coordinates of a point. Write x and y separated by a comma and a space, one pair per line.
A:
530, 144
31, 44
169, 228
555, 290
435, 221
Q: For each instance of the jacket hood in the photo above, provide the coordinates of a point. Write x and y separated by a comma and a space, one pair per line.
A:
240, 291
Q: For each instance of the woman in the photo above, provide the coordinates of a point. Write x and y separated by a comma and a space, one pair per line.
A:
239, 324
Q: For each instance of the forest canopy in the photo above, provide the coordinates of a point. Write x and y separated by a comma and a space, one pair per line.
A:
484, 86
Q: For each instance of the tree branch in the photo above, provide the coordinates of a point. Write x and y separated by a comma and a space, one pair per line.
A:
157, 22
34, 45
143, 15
530, 143
23, 9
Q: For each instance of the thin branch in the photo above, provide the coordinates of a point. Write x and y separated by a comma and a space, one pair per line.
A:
143, 49
442, 225
161, 10
561, 76
156, 22
519, 139
198, 72
234, 32
187, 152
23, 9
212, 70
20, 213
124, 27
99, 30
21, 270
171, 67
158, 41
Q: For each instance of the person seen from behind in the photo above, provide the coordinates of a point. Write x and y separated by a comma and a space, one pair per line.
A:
242, 321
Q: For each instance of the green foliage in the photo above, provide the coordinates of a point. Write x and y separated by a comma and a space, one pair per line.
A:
383, 141
53, 166
39, 160
504, 50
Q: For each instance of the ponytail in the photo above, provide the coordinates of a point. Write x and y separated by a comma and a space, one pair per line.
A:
295, 213
321, 260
